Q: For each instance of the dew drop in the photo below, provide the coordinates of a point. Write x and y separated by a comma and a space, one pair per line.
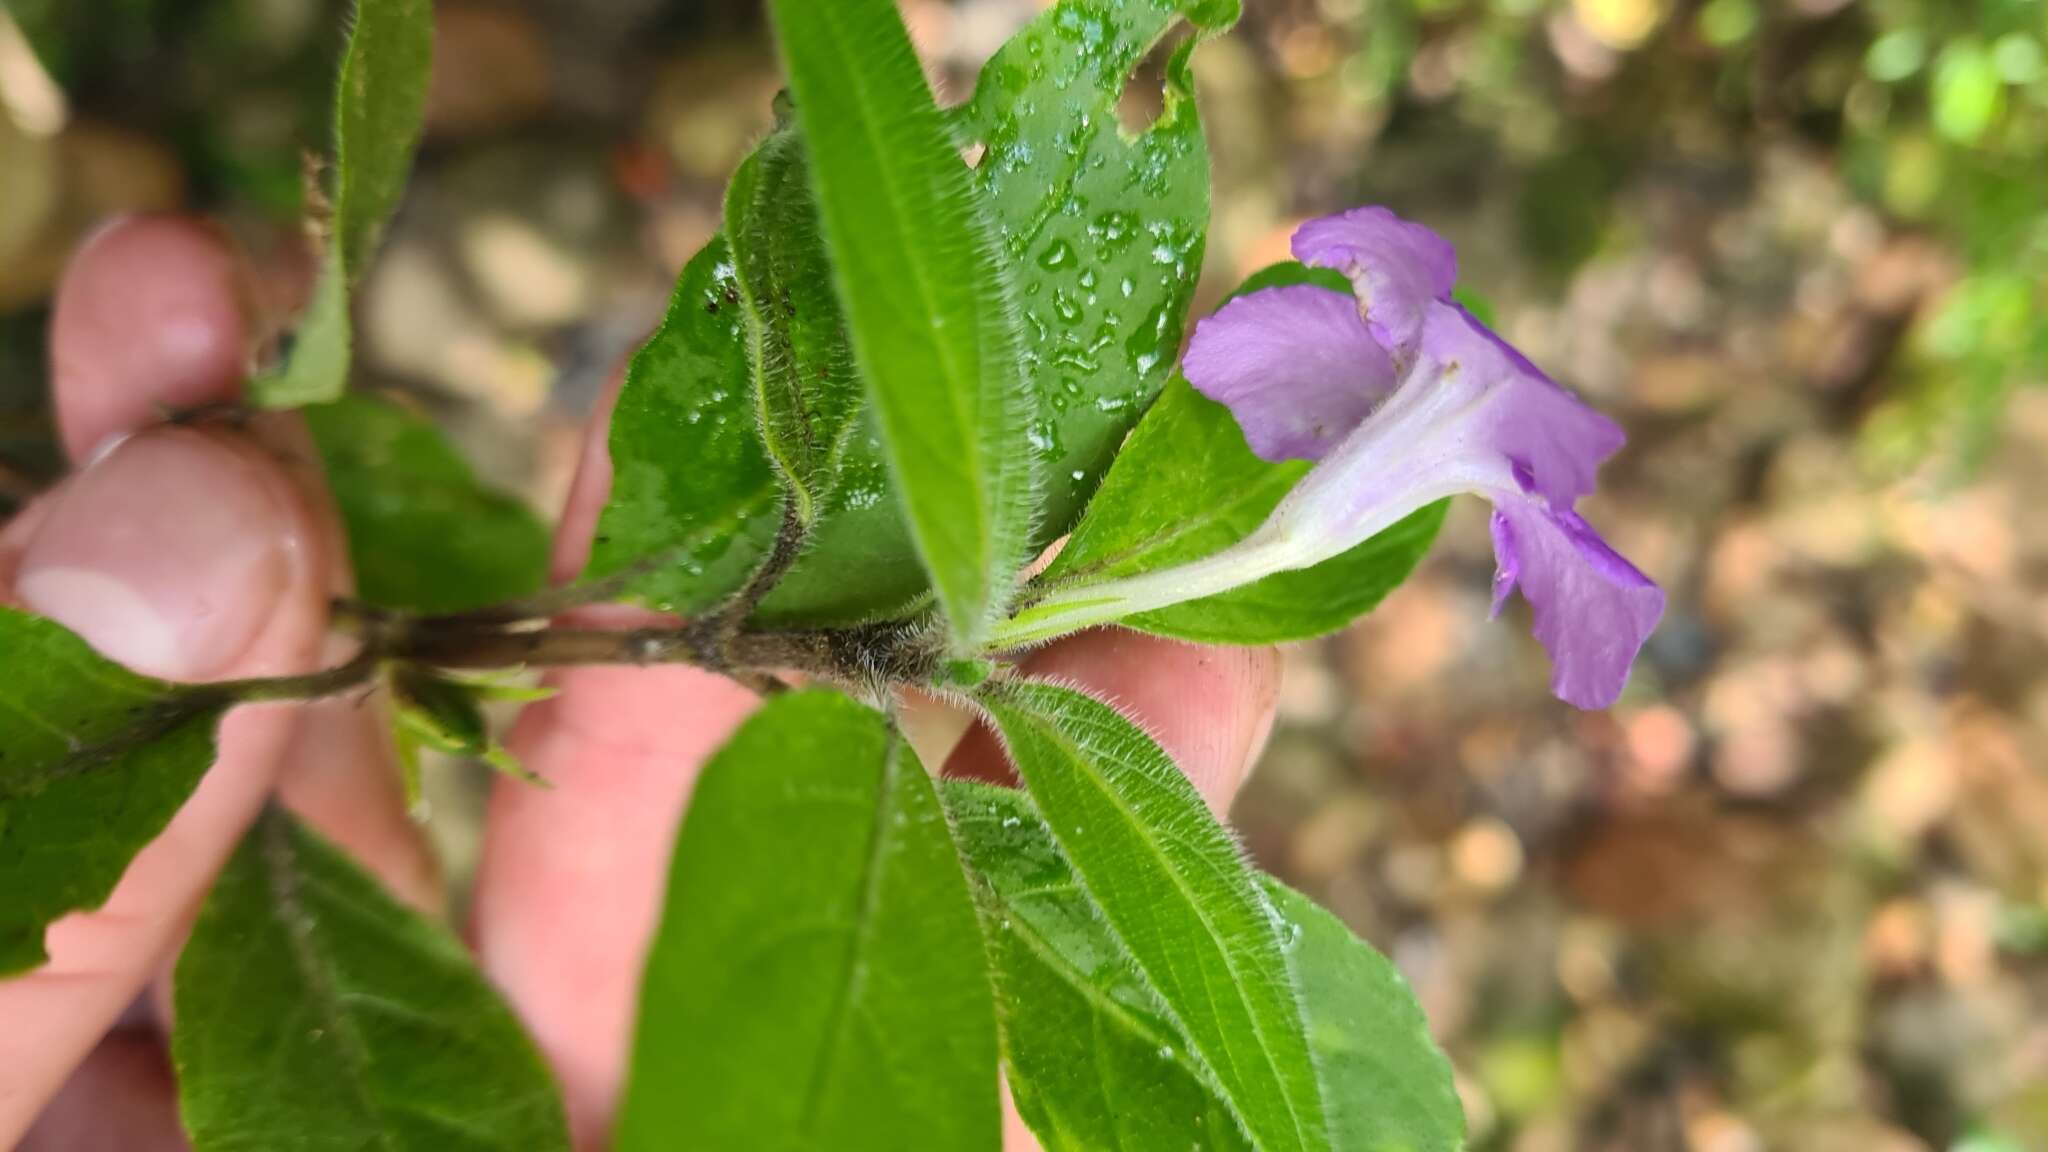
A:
1058, 256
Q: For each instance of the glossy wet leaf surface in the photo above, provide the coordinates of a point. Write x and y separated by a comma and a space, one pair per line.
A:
694, 498
94, 762
818, 978
1105, 229
424, 533
317, 1012
1173, 886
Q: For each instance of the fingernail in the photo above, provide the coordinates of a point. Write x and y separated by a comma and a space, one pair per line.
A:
168, 555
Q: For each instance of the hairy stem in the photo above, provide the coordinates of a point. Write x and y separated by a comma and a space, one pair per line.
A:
789, 544
862, 654
697, 643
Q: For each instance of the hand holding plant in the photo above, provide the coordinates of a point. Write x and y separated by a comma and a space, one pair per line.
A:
878, 398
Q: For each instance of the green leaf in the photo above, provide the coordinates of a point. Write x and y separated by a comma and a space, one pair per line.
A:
94, 762
693, 498
317, 1012
810, 399
379, 106
1104, 230
315, 370
859, 561
818, 979
424, 533
446, 714
1171, 883
1388, 1086
1103, 314
928, 307
1094, 1060
1288, 272
1187, 486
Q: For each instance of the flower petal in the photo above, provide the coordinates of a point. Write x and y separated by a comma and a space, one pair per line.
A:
1555, 442
1396, 267
1294, 364
1593, 609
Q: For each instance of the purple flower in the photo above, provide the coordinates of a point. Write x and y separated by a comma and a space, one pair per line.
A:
1403, 398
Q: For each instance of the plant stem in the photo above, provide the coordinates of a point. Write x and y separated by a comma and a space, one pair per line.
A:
312, 686
697, 643
517, 635
1071, 609
789, 544
888, 652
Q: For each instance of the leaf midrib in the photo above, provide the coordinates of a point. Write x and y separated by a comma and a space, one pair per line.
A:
846, 999
280, 860
1073, 751
1102, 1002
920, 276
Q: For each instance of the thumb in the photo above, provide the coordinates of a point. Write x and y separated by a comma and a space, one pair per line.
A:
188, 555
170, 555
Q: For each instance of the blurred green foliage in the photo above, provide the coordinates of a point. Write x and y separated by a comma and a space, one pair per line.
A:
1948, 128
1936, 109
239, 87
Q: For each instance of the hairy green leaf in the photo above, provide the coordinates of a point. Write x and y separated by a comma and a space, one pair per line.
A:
859, 561
1094, 1060
424, 533
1187, 486
1104, 229
928, 306
379, 105
94, 762
1171, 884
818, 980
317, 1012
810, 399
694, 502
1103, 292
1388, 1086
